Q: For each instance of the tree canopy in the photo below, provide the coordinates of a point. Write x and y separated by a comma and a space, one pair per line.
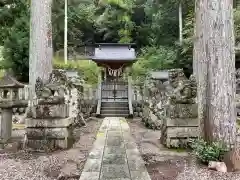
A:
152, 25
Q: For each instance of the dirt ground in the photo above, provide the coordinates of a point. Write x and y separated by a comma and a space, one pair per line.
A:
161, 163
165, 164
61, 165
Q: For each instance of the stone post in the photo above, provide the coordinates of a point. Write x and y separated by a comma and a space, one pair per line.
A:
9, 99
6, 126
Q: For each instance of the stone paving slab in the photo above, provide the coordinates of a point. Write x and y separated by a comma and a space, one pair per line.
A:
114, 155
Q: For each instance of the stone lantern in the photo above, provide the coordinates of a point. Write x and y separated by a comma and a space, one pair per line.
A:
9, 99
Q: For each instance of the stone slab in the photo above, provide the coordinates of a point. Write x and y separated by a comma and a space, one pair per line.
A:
92, 165
130, 145
114, 150
50, 144
173, 122
114, 171
136, 163
114, 159
114, 133
114, 128
96, 153
182, 111
49, 111
120, 156
114, 141
132, 152
56, 122
139, 175
48, 133
90, 176
182, 132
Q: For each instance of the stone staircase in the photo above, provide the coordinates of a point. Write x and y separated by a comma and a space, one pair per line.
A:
114, 109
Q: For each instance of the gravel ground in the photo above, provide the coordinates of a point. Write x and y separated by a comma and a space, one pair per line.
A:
165, 164
62, 165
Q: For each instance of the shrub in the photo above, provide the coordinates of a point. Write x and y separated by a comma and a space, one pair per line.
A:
88, 70
206, 152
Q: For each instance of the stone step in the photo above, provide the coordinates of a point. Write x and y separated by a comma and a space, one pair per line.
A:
114, 115
114, 111
114, 104
115, 108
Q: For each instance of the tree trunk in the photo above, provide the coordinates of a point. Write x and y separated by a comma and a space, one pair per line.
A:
40, 50
215, 55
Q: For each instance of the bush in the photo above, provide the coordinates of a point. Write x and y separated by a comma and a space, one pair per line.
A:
206, 152
153, 59
88, 70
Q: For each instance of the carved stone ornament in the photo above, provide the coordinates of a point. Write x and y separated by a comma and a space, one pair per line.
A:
56, 85
184, 91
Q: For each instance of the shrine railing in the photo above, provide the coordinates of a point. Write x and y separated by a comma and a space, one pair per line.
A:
130, 96
99, 95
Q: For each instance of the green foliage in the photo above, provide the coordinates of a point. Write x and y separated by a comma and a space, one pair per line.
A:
114, 22
206, 152
81, 17
16, 42
152, 25
153, 59
237, 25
85, 68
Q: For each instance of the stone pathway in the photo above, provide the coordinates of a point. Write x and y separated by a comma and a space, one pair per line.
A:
114, 155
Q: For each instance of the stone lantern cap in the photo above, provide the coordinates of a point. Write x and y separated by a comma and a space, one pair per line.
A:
9, 82
159, 75
9, 97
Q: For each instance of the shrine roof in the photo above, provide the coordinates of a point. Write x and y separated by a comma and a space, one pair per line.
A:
114, 52
9, 82
159, 75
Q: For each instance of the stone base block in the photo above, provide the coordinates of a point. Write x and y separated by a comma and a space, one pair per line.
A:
50, 144
52, 122
5, 125
178, 122
50, 111
178, 143
182, 111
182, 132
178, 136
49, 133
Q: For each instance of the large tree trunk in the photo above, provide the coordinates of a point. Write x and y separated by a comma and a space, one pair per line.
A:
214, 53
40, 57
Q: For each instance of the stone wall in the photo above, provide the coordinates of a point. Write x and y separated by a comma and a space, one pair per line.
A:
137, 108
171, 106
152, 97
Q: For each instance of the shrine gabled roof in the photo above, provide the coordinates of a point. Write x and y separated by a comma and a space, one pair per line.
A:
114, 52
9, 82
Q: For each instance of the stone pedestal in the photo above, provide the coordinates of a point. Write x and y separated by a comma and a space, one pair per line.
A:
50, 133
179, 125
6, 126
49, 124
180, 115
